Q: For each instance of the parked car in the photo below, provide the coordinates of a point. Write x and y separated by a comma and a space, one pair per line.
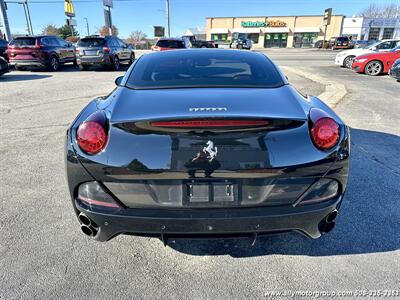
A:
4, 68
165, 44
105, 51
3, 49
318, 44
204, 143
395, 70
363, 43
374, 64
342, 42
194, 43
40, 51
241, 43
345, 58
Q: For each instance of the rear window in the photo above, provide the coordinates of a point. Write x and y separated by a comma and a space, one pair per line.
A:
171, 44
342, 39
204, 69
92, 42
26, 41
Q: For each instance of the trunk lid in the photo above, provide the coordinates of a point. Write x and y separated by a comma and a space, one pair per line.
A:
170, 104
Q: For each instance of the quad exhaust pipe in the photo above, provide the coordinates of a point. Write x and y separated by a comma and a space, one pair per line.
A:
88, 227
328, 223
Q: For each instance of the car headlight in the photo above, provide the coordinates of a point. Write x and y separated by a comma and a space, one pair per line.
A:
361, 60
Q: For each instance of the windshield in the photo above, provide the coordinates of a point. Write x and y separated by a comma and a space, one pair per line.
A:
91, 42
196, 68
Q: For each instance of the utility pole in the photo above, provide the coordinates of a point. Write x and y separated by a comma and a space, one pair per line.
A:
4, 20
167, 16
29, 17
28, 28
87, 26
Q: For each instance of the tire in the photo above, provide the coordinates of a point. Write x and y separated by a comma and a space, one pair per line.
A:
54, 63
132, 59
83, 68
373, 68
240, 46
203, 46
348, 61
115, 64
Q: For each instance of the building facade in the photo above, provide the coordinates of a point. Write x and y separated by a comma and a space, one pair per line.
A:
360, 28
276, 31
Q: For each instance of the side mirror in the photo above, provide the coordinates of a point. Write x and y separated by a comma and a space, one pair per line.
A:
118, 80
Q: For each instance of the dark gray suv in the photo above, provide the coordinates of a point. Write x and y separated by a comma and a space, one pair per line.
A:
106, 51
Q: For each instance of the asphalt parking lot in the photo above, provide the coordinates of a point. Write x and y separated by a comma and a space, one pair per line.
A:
43, 254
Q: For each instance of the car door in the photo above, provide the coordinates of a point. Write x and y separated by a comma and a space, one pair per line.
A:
56, 47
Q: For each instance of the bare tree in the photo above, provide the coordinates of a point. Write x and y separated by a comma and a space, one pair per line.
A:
50, 29
380, 11
137, 36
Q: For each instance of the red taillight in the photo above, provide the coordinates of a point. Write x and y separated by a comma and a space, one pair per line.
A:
77, 50
210, 123
91, 137
325, 133
106, 49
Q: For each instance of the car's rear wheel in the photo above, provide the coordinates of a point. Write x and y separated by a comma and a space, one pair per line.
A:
204, 46
115, 63
54, 64
348, 61
373, 68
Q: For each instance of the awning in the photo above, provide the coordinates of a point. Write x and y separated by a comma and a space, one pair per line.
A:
307, 29
276, 29
246, 30
219, 30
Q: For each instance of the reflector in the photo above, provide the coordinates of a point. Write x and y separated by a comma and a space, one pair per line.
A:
91, 193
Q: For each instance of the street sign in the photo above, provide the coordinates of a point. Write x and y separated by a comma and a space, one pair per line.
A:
107, 17
159, 31
108, 3
71, 22
327, 17
69, 8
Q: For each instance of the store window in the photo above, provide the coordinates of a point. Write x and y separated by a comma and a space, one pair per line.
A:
278, 40
221, 37
387, 33
254, 37
374, 33
305, 39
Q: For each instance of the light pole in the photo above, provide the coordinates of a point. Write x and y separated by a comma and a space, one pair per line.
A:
29, 16
87, 26
167, 16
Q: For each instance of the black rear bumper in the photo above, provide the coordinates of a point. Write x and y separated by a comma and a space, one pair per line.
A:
188, 223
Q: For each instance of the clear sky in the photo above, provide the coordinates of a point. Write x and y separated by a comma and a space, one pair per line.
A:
131, 15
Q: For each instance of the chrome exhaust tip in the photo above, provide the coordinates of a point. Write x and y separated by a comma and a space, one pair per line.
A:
87, 230
84, 219
328, 223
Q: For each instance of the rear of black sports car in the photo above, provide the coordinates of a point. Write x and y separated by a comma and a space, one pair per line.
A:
206, 143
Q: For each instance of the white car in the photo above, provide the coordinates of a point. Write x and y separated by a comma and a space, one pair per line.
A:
345, 58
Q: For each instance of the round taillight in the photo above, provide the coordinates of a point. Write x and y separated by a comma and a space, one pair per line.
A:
325, 133
91, 137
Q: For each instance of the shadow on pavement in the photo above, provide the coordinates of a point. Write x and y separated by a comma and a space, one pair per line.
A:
368, 221
13, 76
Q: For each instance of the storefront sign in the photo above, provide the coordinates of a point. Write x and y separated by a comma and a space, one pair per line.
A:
272, 23
276, 23
253, 24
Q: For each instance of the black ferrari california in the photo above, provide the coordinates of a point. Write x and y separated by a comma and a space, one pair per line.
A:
202, 143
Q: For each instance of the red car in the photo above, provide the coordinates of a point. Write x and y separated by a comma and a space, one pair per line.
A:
374, 64
170, 44
40, 51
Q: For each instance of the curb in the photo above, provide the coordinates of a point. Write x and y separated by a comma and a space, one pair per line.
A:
334, 91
